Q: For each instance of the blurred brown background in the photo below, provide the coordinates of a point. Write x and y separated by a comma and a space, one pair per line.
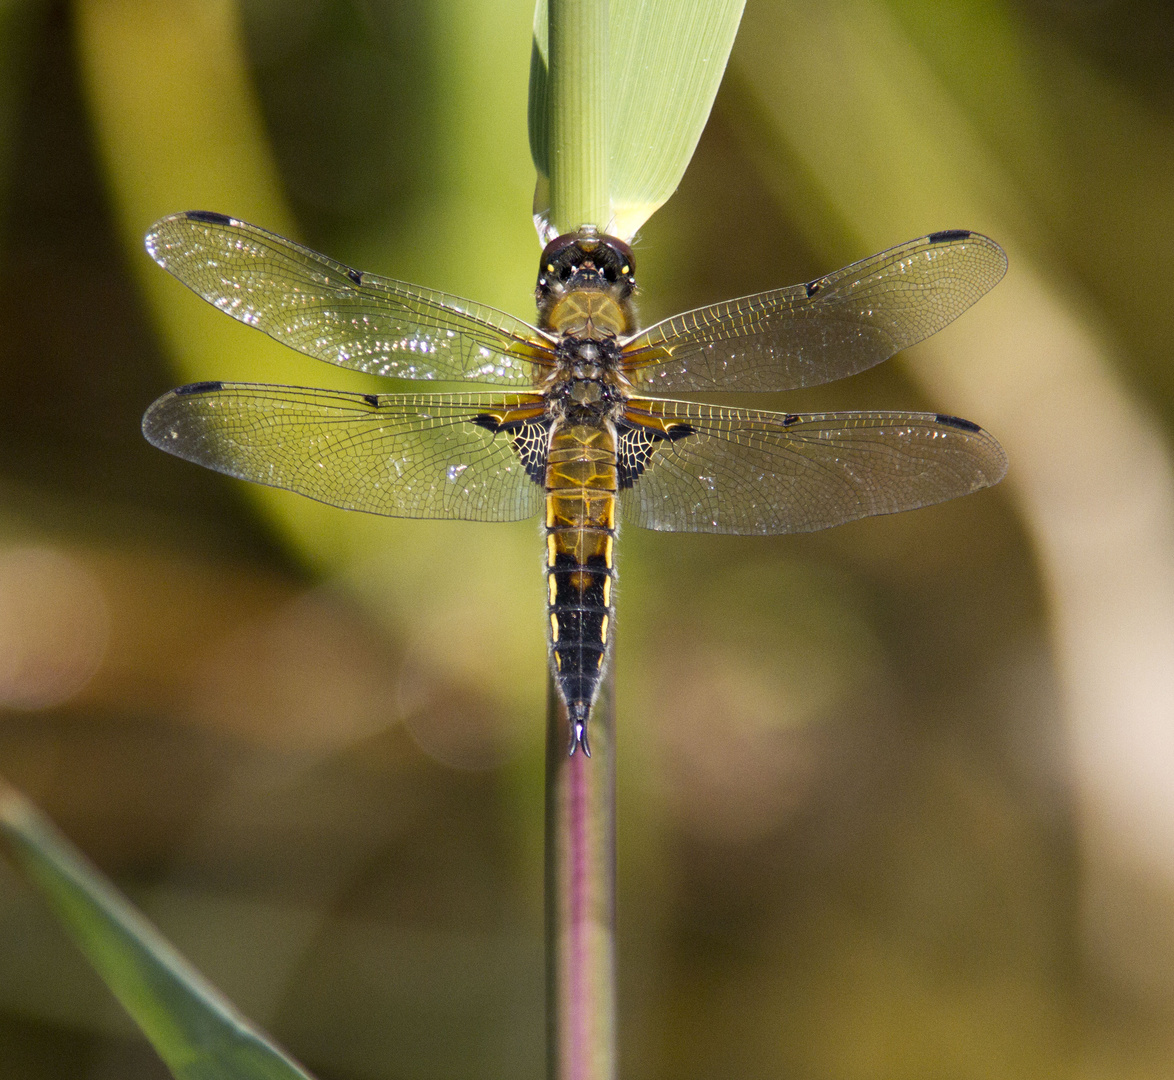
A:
896, 800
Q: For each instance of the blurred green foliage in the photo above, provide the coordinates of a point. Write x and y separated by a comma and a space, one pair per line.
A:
198, 1034
310, 747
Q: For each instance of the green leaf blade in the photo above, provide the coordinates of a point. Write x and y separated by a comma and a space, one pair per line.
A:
666, 61
194, 1029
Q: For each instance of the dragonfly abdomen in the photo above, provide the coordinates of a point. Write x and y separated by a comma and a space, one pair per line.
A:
581, 485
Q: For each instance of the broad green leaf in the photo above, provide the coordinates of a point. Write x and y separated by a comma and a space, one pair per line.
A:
194, 1029
666, 62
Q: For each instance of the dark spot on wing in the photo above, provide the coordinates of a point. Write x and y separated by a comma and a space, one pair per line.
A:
355, 276
489, 423
530, 439
956, 421
948, 234
637, 444
199, 388
790, 418
372, 400
492, 423
209, 217
813, 287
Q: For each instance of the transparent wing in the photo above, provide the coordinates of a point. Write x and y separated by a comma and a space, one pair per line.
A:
686, 467
469, 456
327, 310
824, 330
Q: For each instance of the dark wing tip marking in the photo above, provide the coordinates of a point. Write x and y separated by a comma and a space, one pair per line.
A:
790, 418
957, 422
199, 388
372, 400
949, 234
355, 276
813, 287
208, 217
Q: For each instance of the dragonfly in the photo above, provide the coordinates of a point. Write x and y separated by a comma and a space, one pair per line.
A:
576, 426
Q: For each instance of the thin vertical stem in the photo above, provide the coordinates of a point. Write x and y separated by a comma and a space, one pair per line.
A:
580, 894
580, 790
577, 114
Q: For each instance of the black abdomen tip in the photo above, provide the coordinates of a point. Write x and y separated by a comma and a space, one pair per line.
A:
208, 217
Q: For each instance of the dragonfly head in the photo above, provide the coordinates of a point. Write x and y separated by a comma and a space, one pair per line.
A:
584, 261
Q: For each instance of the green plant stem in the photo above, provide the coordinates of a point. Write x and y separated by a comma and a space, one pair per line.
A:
580, 894
577, 114
580, 790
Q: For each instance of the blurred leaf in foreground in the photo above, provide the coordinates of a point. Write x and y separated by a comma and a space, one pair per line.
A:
195, 1030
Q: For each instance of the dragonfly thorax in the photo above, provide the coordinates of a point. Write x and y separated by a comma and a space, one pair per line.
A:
587, 357
585, 398
587, 382
586, 391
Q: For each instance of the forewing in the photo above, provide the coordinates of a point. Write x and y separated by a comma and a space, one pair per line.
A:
686, 467
825, 330
328, 310
417, 456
